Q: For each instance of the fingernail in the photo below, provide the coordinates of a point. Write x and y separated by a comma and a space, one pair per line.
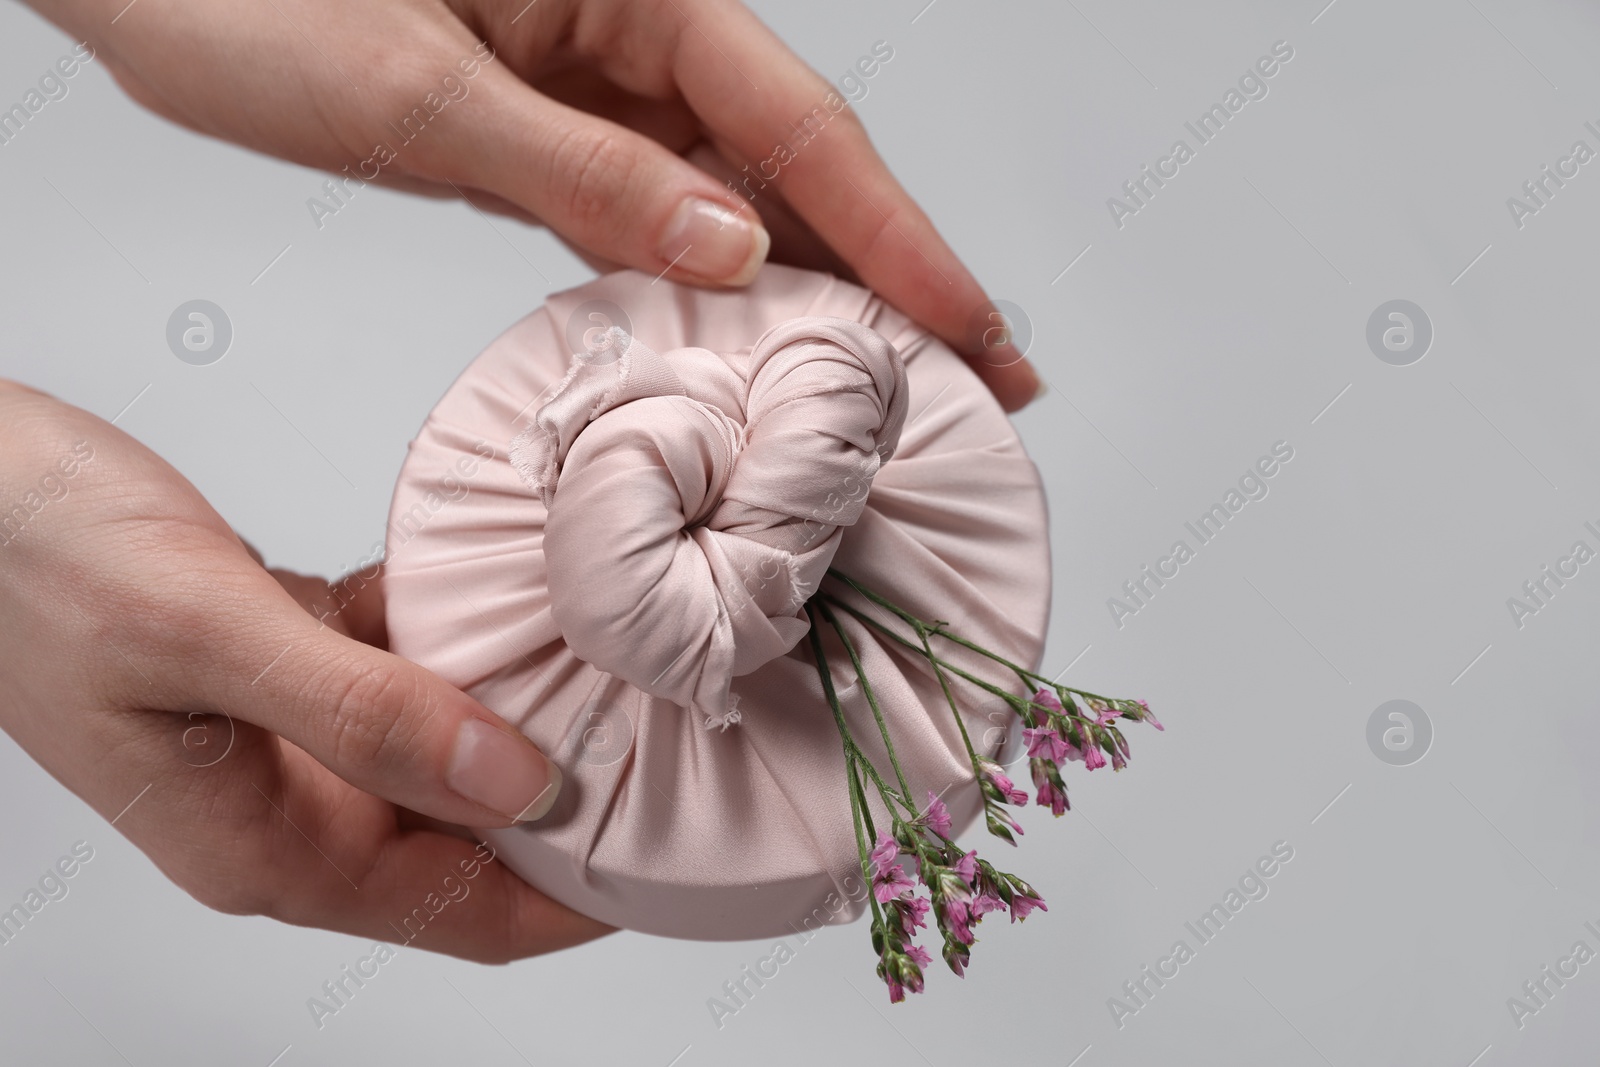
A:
502, 772
715, 242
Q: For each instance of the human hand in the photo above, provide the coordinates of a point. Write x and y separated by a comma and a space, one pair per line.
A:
263, 761
578, 113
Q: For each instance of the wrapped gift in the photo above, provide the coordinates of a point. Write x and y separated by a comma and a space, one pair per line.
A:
609, 531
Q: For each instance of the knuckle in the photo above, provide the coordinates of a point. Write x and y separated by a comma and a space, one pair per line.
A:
371, 716
846, 122
231, 894
590, 172
299, 903
642, 37
493, 955
882, 240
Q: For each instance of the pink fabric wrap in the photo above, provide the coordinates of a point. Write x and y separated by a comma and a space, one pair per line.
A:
611, 549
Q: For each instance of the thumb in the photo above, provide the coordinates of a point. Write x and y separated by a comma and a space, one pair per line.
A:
383, 724
613, 192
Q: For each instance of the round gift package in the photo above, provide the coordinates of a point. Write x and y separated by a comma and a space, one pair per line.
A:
608, 531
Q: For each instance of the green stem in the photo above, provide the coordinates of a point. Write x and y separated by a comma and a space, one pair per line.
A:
1009, 697
872, 699
866, 812
889, 796
949, 698
885, 791
858, 800
1030, 677
856, 810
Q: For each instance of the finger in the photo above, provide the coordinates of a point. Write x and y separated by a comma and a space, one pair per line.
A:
669, 122
615, 192
251, 825
434, 890
384, 725
444, 894
793, 242
812, 147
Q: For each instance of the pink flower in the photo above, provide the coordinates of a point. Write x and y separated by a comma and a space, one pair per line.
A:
1149, 716
913, 913
920, 957
910, 969
1009, 793
1046, 698
889, 879
1117, 760
1052, 791
957, 957
955, 918
1022, 904
884, 856
1046, 744
1089, 752
1008, 790
952, 883
937, 816
892, 884
983, 904
1053, 799
897, 992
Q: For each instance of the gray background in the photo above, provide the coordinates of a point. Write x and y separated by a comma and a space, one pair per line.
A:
1224, 317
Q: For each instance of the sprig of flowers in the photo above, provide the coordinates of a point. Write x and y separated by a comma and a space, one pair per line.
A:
1060, 724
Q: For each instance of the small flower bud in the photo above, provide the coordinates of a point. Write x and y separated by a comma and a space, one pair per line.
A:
957, 956
910, 975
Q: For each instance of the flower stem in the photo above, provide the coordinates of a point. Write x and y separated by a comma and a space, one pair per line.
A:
1011, 698
949, 698
861, 798
858, 800
1030, 677
872, 700
889, 796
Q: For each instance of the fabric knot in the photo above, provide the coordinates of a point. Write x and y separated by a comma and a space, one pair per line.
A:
695, 499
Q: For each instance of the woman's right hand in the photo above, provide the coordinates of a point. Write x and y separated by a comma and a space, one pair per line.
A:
622, 125
267, 763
